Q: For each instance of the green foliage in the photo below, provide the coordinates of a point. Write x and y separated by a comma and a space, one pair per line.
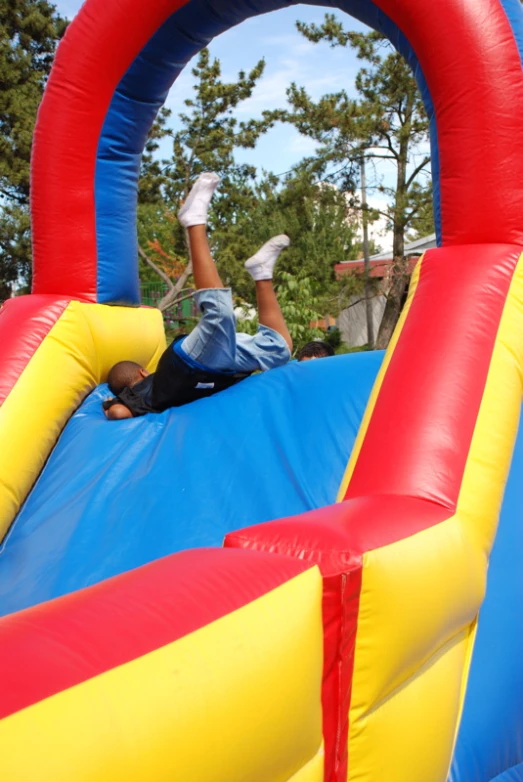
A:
314, 217
29, 33
206, 140
344, 349
152, 174
15, 247
422, 224
387, 120
245, 211
161, 237
299, 305
210, 133
333, 338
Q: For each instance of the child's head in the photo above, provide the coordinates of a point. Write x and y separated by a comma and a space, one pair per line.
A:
125, 374
316, 349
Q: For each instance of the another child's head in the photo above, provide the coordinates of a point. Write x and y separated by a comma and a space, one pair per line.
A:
125, 374
316, 349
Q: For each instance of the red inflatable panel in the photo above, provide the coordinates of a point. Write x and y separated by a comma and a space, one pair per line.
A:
472, 65
70, 120
25, 321
413, 434
86, 633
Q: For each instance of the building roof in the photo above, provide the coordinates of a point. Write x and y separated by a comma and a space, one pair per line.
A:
380, 263
416, 247
377, 268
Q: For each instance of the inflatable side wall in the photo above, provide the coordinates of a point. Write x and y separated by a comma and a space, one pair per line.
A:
203, 665
404, 557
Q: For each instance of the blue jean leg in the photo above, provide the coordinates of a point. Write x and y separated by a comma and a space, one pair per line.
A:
213, 339
214, 343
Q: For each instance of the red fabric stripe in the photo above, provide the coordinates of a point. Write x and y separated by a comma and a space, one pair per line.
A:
341, 600
56, 645
471, 62
426, 410
89, 65
24, 322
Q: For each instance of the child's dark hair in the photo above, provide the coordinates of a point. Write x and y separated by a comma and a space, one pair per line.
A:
316, 349
123, 374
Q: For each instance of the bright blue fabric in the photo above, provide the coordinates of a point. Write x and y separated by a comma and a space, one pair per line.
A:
117, 494
514, 13
141, 93
512, 775
490, 739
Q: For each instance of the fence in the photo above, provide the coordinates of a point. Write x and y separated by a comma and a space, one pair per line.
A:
153, 292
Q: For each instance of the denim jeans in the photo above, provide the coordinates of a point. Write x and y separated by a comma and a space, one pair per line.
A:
215, 345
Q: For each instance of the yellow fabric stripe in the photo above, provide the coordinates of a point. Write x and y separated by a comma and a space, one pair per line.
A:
407, 738
471, 640
313, 771
421, 596
497, 424
73, 358
378, 383
239, 699
416, 594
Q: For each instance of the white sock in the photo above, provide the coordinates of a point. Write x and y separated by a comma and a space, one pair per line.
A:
261, 265
194, 211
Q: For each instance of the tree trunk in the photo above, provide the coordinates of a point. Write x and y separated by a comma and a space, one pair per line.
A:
5, 290
172, 296
393, 306
399, 278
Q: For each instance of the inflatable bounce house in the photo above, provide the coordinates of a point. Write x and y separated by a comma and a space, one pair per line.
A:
350, 627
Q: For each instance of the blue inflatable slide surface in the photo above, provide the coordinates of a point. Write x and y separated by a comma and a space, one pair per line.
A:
117, 494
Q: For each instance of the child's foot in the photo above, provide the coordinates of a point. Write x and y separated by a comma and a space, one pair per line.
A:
261, 265
194, 211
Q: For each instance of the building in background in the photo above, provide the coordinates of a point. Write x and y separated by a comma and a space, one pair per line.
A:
352, 321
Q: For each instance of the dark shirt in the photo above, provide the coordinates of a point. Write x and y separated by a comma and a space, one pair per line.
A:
175, 382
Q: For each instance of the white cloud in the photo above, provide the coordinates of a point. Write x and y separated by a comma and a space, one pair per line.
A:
270, 92
292, 43
302, 145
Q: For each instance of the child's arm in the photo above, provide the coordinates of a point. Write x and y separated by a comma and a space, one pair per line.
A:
117, 412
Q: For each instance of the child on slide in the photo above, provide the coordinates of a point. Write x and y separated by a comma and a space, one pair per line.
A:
213, 356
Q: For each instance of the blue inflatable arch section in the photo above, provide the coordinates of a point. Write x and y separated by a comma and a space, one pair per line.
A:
144, 89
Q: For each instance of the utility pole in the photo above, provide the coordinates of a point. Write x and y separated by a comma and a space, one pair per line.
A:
366, 259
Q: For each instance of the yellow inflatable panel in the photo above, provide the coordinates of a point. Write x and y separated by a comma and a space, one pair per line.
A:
71, 360
237, 700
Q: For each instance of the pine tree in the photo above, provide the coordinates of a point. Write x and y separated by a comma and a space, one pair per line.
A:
206, 140
386, 120
246, 210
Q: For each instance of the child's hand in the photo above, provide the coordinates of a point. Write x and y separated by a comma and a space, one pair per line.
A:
118, 412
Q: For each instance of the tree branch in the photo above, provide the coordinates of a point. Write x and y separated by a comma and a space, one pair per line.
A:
416, 171
171, 296
414, 211
165, 277
22, 200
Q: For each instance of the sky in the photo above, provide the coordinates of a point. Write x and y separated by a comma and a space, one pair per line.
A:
289, 57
